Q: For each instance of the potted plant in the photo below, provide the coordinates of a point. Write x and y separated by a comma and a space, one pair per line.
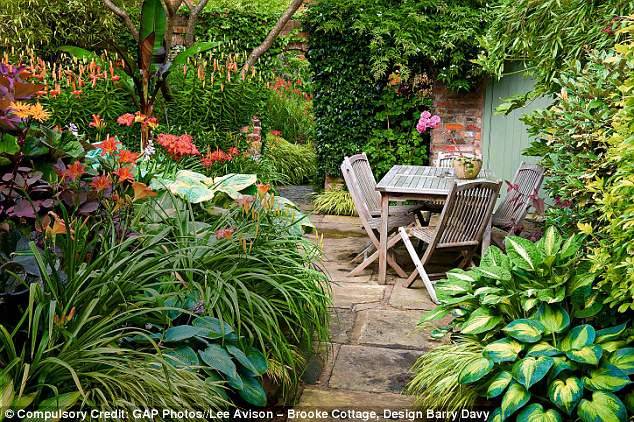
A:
467, 166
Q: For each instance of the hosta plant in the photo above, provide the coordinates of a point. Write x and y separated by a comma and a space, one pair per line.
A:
553, 367
211, 346
511, 286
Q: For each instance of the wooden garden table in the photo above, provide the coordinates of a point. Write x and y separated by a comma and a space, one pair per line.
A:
417, 183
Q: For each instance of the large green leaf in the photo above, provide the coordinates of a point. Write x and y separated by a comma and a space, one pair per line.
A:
525, 330
480, 321
475, 371
577, 338
197, 48
258, 360
153, 21
498, 384
530, 370
212, 328
535, 413
182, 357
252, 391
505, 350
461, 275
560, 366
542, 349
554, 318
180, 333
550, 242
604, 407
241, 357
9, 144
496, 258
523, 253
571, 246
566, 393
232, 184
623, 359
494, 272
608, 378
495, 416
435, 314
610, 333
216, 357
590, 355
453, 287
514, 399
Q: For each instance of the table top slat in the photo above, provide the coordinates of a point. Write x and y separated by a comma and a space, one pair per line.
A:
423, 180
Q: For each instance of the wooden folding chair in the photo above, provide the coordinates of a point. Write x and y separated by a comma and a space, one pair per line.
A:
361, 184
462, 224
528, 179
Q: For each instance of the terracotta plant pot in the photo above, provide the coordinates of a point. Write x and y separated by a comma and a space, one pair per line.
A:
467, 167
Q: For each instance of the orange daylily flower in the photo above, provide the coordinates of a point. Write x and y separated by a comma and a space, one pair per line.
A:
141, 191
226, 233
126, 156
97, 122
101, 183
75, 171
263, 188
124, 173
59, 226
110, 145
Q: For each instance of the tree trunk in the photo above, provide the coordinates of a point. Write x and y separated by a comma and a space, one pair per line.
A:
273, 34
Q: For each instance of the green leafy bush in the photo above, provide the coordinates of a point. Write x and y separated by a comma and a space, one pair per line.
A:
289, 111
296, 164
540, 35
372, 65
548, 346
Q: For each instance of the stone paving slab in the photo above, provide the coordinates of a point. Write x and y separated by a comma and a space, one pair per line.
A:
412, 298
346, 295
391, 328
341, 398
372, 369
341, 323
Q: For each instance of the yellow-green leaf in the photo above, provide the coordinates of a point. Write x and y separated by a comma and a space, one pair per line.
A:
480, 321
554, 318
475, 371
566, 393
525, 330
498, 384
579, 337
530, 370
542, 349
604, 407
609, 378
505, 350
623, 359
514, 399
590, 355
535, 413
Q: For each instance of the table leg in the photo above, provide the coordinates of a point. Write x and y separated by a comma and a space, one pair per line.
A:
486, 237
385, 212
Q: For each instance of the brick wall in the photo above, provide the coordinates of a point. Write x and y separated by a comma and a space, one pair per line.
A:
461, 115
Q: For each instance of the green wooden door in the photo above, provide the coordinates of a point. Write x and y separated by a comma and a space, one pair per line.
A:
505, 136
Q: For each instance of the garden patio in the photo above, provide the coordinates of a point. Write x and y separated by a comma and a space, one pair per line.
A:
316, 210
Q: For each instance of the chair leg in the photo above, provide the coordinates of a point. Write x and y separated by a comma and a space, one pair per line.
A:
393, 240
419, 266
364, 252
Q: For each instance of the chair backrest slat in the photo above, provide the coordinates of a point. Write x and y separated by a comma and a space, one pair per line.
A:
467, 211
361, 185
513, 209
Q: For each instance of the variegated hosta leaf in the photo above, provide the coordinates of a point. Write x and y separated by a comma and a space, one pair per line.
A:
529, 303
566, 393
514, 399
604, 407
560, 365
453, 288
610, 333
525, 330
535, 413
613, 346
609, 378
529, 371
475, 371
623, 359
523, 253
232, 184
480, 321
542, 349
498, 384
494, 272
590, 306
505, 350
193, 192
554, 318
495, 257
570, 246
577, 338
495, 416
550, 242
461, 275
437, 313
488, 290
590, 355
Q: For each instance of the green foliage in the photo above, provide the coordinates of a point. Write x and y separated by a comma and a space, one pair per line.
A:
613, 257
540, 35
335, 201
290, 111
75, 22
296, 164
373, 63
435, 382
571, 139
